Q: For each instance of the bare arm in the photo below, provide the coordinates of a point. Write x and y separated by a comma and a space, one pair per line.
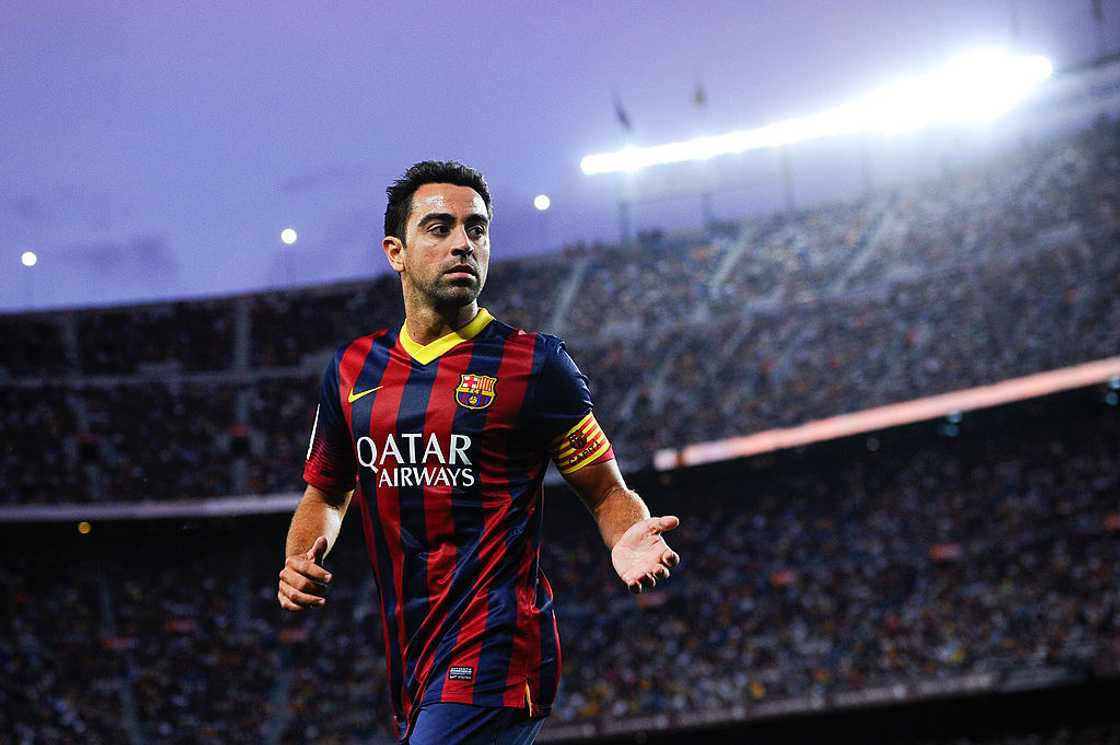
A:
639, 554
318, 514
314, 529
614, 507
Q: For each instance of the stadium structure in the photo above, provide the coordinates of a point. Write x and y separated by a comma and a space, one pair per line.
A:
889, 424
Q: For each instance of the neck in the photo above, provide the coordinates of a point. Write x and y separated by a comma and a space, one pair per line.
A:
425, 323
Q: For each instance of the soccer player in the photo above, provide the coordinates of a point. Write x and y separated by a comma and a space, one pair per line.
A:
441, 432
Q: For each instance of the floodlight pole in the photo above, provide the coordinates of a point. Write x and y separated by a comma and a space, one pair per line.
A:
543, 230
28, 288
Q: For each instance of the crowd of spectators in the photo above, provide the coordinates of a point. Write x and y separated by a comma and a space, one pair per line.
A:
40, 459
631, 290
951, 330
186, 336
981, 212
795, 257
58, 684
159, 441
997, 553
958, 329
342, 646
32, 345
990, 271
202, 665
524, 292
282, 412
290, 326
923, 558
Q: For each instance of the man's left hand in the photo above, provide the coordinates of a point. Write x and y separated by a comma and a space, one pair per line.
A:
641, 556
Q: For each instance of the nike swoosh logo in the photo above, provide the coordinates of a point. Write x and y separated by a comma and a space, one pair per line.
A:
355, 396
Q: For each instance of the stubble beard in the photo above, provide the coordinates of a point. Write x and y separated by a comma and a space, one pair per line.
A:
440, 294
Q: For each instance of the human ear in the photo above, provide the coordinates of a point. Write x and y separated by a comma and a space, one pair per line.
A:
394, 252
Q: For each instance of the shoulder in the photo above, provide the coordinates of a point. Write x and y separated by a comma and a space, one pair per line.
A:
367, 340
540, 344
360, 346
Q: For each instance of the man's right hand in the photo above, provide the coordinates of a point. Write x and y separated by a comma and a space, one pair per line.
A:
303, 580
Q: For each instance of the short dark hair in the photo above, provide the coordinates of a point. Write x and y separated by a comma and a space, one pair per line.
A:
429, 172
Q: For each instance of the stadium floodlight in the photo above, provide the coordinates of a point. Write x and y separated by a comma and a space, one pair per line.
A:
542, 202
289, 236
975, 86
29, 259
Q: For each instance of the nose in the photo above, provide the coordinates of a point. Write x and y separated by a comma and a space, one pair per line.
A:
462, 244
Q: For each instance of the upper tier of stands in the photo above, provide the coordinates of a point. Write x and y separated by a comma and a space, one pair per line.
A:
987, 272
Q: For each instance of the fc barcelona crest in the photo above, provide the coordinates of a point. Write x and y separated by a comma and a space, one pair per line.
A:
475, 391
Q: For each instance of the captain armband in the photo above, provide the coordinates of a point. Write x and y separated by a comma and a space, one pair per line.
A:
580, 446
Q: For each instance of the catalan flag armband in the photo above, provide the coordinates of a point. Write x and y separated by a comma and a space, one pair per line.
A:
580, 446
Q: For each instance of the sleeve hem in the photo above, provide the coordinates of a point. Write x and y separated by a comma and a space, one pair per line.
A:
331, 486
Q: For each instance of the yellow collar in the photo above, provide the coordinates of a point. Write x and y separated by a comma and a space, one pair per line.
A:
425, 353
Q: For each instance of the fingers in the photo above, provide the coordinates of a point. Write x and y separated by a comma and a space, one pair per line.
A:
307, 568
287, 604
645, 582
638, 582
648, 580
294, 600
303, 582
667, 523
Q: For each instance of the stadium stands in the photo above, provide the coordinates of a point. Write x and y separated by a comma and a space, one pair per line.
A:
187, 336
989, 272
949, 559
924, 561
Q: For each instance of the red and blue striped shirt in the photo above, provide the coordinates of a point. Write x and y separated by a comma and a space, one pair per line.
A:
447, 445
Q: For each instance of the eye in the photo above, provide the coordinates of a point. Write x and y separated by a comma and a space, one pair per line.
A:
477, 231
440, 229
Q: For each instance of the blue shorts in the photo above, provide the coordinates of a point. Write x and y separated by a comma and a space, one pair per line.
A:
465, 724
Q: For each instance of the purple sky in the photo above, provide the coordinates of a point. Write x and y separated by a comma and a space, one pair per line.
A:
159, 152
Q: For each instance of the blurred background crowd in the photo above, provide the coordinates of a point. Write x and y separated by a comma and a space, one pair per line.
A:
917, 559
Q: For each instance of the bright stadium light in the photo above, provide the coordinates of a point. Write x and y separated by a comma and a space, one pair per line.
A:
29, 259
542, 202
975, 86
289, 236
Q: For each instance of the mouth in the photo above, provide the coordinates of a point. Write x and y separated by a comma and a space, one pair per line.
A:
463, 271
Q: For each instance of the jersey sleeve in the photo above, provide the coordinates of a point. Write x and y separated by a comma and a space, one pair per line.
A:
563, 414
330, 464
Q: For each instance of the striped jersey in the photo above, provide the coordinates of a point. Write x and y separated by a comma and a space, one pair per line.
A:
447, 444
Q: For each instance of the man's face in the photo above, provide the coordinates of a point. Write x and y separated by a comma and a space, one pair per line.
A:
446, 252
